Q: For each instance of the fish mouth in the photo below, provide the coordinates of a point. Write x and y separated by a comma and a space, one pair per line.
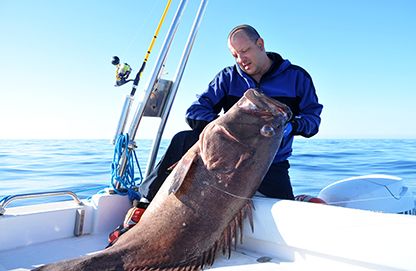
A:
256, 103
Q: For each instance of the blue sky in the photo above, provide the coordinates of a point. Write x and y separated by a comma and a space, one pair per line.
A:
56, 79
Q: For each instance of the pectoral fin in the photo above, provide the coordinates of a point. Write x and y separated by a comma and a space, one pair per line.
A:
225, 157
182, 169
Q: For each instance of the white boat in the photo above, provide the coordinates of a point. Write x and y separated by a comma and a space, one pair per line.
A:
288, 235
368, 223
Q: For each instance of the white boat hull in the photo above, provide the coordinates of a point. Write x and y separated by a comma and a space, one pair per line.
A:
288, 235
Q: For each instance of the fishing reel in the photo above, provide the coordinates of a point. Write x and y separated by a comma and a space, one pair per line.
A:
123, 71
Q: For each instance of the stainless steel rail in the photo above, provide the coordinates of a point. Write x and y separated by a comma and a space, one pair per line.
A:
176, 81
38, 195
153, 80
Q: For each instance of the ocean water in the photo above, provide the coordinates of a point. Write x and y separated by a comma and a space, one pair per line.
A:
84, 166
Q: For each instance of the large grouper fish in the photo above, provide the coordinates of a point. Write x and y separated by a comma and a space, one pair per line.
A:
200, 208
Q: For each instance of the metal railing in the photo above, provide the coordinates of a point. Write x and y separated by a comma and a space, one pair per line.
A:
176, 81
10, 199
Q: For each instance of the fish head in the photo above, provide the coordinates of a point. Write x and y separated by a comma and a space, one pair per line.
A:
257, 116
248, 134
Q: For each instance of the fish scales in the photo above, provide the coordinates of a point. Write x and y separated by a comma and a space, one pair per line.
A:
200, 207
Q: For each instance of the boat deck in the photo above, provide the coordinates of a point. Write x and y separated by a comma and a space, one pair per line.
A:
288, 235
27, 258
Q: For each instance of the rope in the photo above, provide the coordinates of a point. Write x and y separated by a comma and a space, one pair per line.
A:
5, 198
127, 180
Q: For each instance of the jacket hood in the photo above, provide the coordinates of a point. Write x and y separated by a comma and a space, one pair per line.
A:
279, 65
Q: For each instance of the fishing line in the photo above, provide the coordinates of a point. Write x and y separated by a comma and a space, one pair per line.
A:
226, 192
329, 203
363, 200
140, 28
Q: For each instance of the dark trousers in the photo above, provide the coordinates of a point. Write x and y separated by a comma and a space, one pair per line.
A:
276, 183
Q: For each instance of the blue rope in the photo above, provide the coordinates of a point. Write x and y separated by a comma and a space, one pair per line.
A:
127, 180
5, 198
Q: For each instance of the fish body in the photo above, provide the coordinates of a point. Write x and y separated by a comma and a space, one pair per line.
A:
200, 208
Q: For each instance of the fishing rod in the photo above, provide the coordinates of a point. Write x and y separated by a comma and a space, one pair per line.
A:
122, 169
155, 82
123, 71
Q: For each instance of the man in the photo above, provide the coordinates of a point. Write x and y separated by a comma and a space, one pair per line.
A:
255, 68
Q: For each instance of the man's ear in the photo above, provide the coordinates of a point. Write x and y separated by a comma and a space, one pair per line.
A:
260, 43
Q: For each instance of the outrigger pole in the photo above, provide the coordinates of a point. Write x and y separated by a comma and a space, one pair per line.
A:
154, 80
176, 81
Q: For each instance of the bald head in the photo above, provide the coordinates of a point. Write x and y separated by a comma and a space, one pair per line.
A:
247, 47
248, 30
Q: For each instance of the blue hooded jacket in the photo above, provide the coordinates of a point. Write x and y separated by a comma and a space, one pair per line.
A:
287, 83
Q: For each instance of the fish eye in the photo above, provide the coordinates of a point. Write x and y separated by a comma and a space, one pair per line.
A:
267, 131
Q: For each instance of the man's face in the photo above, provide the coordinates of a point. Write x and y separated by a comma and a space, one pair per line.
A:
247, 53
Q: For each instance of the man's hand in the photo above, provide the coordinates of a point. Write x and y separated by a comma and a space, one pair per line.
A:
287, 130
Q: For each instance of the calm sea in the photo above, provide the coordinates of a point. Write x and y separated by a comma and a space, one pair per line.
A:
84, 166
